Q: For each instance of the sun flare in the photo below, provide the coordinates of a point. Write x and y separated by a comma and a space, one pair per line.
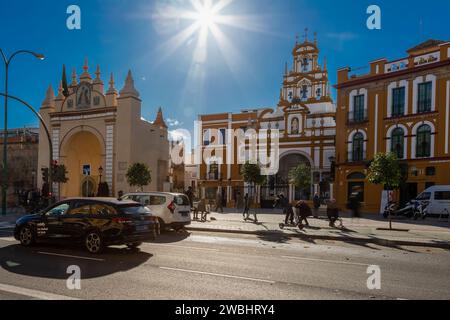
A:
206, 17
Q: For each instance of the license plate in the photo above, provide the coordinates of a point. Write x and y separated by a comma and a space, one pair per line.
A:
184, 213
141, 228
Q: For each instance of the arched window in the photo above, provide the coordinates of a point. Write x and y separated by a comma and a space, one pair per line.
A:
423, 146
398, 143
358, 147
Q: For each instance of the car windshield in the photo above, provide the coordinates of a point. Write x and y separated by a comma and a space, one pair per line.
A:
134, 209
424, 196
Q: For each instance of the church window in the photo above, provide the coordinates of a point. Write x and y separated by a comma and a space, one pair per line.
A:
213, 171
290, 95
304, 92
206, 137
319, 93
305, 65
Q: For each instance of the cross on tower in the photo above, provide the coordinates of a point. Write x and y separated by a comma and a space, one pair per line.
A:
306, 34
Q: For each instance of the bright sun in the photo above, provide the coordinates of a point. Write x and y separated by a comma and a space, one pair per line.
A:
206, 17
206, 20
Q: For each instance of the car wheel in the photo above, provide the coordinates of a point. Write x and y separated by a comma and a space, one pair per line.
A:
26, 236
134, 245
93, 242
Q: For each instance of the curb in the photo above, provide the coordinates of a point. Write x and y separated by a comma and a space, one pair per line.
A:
379, 241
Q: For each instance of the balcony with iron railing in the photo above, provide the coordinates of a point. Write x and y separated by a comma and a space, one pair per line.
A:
213, 176
357, 156
358, 116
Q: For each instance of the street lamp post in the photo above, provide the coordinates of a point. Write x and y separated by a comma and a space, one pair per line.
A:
47, 131
7, 62
100, 171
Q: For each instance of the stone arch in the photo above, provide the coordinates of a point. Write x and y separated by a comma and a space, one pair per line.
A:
79, 129
298, 152
82, 147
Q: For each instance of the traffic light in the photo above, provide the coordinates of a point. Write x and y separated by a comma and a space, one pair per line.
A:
55, 168
45, 175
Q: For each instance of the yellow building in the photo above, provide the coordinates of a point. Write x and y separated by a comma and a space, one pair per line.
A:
402, 106
305, 120
98, 135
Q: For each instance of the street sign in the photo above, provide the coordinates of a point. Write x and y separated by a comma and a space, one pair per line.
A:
87, 170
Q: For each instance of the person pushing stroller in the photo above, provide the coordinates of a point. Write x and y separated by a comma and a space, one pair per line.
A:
303, 212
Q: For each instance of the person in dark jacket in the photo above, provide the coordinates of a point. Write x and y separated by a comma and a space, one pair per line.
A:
283, 202
304, 211
246, 206
190, 194
316, 203
332, 212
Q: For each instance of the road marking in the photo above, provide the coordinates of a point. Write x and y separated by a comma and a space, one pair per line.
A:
182, 247
33, 293
218, 275
327, 261
70, 256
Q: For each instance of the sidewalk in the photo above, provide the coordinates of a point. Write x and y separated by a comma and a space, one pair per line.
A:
429, 233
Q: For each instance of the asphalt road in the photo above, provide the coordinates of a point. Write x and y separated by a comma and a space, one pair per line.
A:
217, 266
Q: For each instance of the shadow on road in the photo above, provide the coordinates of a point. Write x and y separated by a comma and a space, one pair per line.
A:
172, 237
281, 237
45, 261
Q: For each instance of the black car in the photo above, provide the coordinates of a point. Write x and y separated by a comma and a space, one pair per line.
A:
94, 222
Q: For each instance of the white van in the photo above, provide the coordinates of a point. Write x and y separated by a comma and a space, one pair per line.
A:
172, 209
439, 199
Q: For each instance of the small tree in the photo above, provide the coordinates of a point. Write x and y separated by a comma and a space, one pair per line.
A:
251, 173
300, 176
385, 170
139, 175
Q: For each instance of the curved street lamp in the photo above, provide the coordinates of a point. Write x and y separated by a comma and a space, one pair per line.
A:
47, 131
7, 62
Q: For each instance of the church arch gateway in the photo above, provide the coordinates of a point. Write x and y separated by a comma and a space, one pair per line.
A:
279, 183
82, 151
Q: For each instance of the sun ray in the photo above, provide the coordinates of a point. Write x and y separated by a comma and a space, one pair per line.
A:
173, 44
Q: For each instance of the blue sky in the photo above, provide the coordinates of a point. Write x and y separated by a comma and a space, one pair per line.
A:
121, 34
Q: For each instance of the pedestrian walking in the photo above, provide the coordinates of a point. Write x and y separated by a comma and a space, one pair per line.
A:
316, 203
246, 206
287, 209
332, 212
304, 211
190, 194
219, 199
